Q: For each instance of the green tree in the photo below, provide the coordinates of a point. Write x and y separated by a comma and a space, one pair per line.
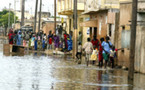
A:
4, 15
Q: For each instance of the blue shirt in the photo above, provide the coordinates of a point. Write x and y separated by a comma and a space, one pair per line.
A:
43, 44
106, 46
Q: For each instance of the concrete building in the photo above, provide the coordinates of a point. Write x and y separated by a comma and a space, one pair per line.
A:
45, 14
48, 24
27, 15
28, 19
123, 35
65, 7
102, 16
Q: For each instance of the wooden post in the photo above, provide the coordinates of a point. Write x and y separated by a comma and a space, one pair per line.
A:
75, 17
117, 19
40, 16
55, 16
133, 40
35, 19
22, 12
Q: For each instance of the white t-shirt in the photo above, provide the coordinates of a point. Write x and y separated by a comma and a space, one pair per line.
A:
88, 46
80, 48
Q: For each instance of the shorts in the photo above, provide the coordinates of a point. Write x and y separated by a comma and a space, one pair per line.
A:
106, 56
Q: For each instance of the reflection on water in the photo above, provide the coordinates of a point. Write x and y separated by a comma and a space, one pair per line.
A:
37, 71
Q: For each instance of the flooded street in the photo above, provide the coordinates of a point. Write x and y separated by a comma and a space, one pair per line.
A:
38, 71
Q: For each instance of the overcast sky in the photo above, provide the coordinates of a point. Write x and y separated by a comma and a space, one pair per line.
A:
47, 5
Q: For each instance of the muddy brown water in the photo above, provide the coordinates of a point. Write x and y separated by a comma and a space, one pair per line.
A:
38, 71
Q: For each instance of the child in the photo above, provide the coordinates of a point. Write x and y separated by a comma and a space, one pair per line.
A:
94, 55
50, 43
79, 52
43, 44
112, 54
24, 42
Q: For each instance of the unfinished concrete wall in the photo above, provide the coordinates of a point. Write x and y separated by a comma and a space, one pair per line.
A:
101, 25
125, 17
48, 27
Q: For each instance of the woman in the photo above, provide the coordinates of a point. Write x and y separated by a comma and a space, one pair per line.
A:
65, 39
35, 44
69, 42
106, 50
19, 38
11, 36
100, 53
56, 41
33, 40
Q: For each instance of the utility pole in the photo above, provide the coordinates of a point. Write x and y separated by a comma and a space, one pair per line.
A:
40, 16
22, 12
35, 19
9, 20
14, 11
133, 39
75, 28
55, 15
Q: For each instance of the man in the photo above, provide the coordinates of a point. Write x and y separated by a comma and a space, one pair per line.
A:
80, 37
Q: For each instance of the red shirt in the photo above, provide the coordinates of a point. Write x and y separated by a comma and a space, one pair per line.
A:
65, 36
95, 43
10, 38
100, 52
50, 40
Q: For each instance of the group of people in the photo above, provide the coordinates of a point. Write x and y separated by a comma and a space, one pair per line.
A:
40, 41
100, 51
95, 50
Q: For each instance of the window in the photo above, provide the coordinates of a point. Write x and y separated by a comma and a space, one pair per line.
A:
110, 30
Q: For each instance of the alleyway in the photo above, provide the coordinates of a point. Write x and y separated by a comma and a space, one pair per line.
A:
38, 71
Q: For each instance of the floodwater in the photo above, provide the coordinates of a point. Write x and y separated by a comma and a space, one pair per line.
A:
37, 71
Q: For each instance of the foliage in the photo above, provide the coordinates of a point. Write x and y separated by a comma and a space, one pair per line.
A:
4, 15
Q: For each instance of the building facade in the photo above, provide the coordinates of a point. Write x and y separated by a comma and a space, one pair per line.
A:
102, 16
66, 7
123, 39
